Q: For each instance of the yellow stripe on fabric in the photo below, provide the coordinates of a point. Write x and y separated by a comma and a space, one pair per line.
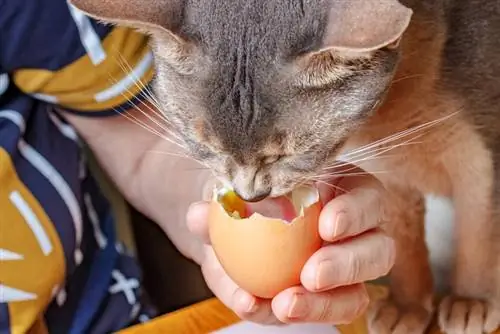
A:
27, 274
76, 85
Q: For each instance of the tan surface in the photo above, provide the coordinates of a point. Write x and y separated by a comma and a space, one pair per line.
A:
211, 315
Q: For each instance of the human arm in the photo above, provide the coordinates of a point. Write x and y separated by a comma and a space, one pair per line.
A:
73, 65
148, 171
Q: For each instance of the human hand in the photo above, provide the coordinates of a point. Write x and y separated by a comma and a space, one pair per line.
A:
332, 289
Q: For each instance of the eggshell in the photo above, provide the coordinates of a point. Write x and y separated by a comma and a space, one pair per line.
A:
264, 256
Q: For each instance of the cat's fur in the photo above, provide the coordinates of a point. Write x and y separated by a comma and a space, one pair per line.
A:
268, 93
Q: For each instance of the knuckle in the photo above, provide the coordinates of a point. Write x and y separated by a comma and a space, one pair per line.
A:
326, 313
362, 305
353, 267
372, 212
358, 307
249, 317
383, 256
259, 317
389, 254
246, 316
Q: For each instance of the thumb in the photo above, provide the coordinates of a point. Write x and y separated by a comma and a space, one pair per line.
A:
197, 220
197, 214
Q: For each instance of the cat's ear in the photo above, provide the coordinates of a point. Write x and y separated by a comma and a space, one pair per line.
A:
150, 16
365, 25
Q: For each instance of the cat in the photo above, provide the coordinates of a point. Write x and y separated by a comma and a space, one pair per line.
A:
270, 94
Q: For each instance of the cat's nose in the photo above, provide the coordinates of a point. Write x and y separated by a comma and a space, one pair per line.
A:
254, 197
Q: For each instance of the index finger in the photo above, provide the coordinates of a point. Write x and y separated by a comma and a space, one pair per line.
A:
355, 205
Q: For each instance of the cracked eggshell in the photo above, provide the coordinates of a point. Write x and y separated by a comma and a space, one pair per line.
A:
264, 256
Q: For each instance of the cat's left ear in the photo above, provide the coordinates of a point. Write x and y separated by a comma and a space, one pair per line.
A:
151, 16
365, 25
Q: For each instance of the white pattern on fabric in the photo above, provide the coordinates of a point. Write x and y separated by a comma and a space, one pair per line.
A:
125, 285
122, 86
88, 36
62, 188
15, 118
135, 311
7, 255
67, 130
4, 83
143, 318
61, 297
94, 219
32, 220
8, 294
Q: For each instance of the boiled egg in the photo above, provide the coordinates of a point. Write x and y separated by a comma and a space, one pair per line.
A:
263, 246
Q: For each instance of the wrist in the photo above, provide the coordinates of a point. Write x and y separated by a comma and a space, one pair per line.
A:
166, 189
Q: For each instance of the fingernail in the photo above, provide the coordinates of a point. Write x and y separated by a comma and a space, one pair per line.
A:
340, 225
308, 276
247, 302
299, 307
325, 275
252, 306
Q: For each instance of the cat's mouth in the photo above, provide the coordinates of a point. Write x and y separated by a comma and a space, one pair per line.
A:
286, 207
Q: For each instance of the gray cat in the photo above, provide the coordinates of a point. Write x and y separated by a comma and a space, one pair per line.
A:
269, 94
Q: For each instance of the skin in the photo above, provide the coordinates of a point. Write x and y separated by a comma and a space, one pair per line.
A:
335, 299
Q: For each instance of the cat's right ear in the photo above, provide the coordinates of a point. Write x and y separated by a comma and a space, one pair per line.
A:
156, 17
365, 25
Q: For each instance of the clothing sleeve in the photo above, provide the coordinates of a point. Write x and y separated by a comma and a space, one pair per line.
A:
55, 53
49, 251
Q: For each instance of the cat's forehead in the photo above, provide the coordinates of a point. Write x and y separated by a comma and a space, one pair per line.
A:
263, 26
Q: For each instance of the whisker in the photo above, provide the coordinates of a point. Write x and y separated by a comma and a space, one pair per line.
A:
152, 119
354, 174
401, 134
140, 124
196, 169
145, 126
144, 94
371, 155
122, 61
170, 154
159, 121
331, 185
396, 136
161, 134
145, 91
406, 77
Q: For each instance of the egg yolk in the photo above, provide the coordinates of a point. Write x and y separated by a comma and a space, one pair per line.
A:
279, 207
234, 205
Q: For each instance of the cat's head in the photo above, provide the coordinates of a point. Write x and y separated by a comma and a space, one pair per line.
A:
266, 92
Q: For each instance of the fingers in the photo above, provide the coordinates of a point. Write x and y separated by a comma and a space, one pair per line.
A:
364, 258
197, 221
242, 303
339, 306
354, 212
197, 213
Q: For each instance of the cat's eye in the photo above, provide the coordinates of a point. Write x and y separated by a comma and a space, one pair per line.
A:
271, 159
